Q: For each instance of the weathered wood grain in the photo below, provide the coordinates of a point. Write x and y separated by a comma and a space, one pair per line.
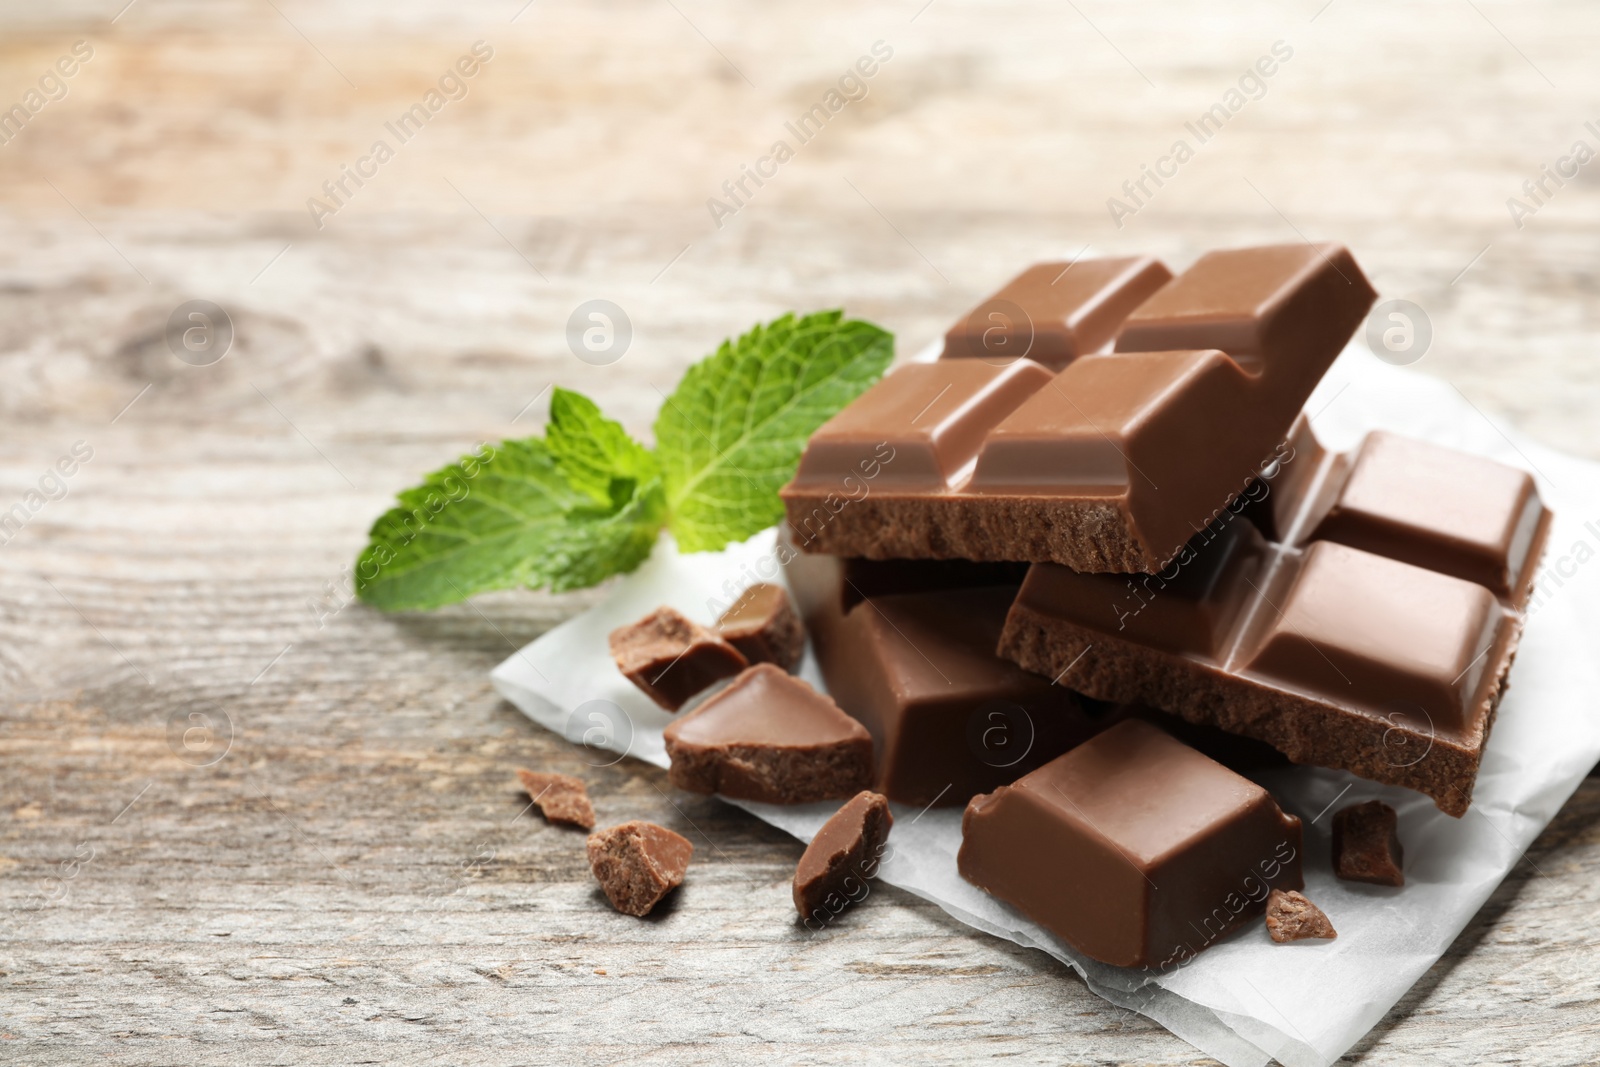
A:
351, 881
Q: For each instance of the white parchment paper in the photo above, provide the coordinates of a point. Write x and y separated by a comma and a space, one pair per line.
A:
1244, 1001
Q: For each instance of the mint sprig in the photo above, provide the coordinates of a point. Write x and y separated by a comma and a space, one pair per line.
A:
586, 501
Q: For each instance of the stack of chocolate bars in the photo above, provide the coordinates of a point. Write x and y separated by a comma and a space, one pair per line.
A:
1082, 569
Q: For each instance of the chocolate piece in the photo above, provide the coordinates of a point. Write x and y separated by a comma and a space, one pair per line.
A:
1110, 465
1052, 313
834, 869
769, 737
1133, 847
1366, 844
558, 797
1386, 667
1233, 751
637, 864
1291, 917
948, 717
671, 658
762, 625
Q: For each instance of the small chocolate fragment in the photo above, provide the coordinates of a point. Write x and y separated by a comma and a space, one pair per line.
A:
561, 798
769, 737
1291, 917
671, 658
1133, 847
762, 625
637, 864
1366, 844
834, 870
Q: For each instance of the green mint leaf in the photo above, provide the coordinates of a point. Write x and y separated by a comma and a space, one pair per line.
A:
731, 434
594, 453
503, 517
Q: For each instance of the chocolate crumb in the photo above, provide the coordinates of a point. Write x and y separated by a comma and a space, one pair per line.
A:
672, 658
638, 863
1291, 917
561, 798
1366, 844
763, 626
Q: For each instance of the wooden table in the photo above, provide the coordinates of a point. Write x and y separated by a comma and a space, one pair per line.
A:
246, 821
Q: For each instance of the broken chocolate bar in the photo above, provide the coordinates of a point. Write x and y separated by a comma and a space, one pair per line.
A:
1366, 844
948, 717
558, 797
637, 864
833, 871
762, 625
1291, 917
671, 658
1134, 848
1364, 640
769, 737
1052, 313
1113, 463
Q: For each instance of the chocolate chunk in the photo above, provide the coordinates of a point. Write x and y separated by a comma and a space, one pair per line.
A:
637, 864
560, 798
1366, 844
1052, 313
1133, 847
1291, 917
1110, 465
948, 717
834, 869
671, 658
1388, 666
769, 737
762, 625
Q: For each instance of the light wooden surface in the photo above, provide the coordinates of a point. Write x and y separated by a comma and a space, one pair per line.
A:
350, 881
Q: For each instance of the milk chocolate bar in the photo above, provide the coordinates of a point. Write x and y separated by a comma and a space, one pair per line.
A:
1134, 848
1052, 313
1373, 635
948, 717
1114, 462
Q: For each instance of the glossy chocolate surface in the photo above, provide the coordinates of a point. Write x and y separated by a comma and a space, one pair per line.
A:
1133, 847
1374, 635
1112, 463
763, 626
1052, 313
948, 717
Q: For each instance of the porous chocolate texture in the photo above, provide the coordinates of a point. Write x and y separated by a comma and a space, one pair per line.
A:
1110, 464
1366, 844
670, 658
1291, 917
1133, 848
763, 626
559, 797
1375, 635
917, 667
833, 871
638, 863
770, 737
